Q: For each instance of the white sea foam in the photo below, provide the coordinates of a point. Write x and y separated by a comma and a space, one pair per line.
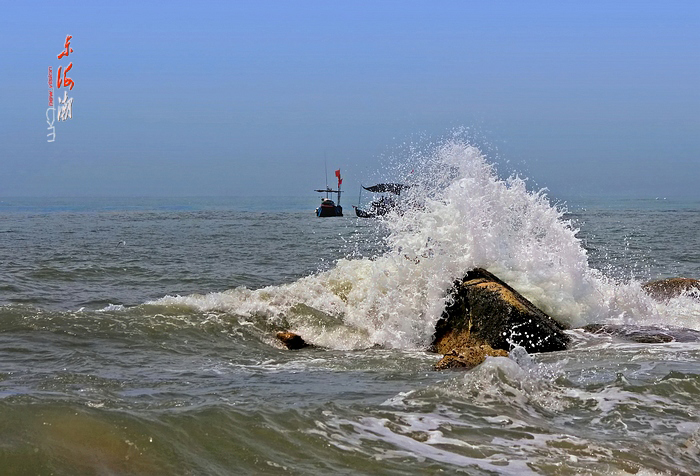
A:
462, 215
402, 444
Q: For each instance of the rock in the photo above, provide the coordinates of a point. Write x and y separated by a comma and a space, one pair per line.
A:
645, 334
291, 340
485, 310
469, 357
665, 289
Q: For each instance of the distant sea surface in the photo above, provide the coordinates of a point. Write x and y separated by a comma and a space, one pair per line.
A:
68, 253
137, 336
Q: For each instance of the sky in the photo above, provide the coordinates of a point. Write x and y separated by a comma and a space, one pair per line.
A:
586, 98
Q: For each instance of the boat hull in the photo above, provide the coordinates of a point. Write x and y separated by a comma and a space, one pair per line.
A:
329, 211
364, 214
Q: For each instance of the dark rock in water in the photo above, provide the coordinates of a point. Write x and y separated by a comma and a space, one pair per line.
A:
665, 289
645, 334
291, 340
485, 310
468, 357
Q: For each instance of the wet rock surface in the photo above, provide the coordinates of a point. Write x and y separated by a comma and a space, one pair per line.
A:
645, 334
292, 341
665, 289
486, 310
468, 357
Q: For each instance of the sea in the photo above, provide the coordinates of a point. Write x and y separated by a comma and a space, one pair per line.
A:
138, 335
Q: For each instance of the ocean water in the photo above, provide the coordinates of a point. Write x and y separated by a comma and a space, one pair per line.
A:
137, 335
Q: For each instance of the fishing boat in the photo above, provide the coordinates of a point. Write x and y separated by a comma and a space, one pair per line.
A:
328, 207
382, 205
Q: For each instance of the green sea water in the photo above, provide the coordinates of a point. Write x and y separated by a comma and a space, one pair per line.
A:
137, 337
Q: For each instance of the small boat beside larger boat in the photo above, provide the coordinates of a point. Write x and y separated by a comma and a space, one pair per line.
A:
384, 204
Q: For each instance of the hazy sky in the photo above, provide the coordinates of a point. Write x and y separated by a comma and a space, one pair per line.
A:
247, 97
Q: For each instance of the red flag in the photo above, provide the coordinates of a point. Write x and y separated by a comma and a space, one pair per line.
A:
337, 174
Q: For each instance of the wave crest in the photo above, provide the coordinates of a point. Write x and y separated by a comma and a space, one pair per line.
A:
457, 215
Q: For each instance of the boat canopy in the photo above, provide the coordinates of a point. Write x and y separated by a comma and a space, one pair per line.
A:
387, 187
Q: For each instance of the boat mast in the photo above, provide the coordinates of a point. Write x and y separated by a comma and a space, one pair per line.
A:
325, 167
